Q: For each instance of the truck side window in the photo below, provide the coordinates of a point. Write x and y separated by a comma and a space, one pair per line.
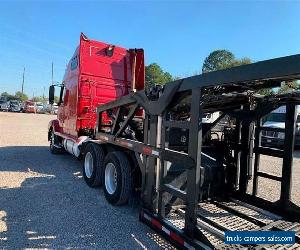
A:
74, 62
61, 95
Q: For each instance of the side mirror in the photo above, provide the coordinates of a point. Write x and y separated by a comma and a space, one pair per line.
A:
51, 94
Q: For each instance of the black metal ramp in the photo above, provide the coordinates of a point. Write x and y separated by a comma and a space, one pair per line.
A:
216, 217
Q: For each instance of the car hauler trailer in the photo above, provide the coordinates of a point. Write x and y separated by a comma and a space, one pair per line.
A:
190, 193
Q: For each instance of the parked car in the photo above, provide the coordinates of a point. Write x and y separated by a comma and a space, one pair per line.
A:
4, 104
14, 106
29, 107
276, 119
22, 107
39, 107
48, 108
54, 108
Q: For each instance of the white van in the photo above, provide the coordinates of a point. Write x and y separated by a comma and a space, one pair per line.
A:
276, 119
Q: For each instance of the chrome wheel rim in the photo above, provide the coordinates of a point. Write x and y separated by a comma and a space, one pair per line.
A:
88, 165
110, 178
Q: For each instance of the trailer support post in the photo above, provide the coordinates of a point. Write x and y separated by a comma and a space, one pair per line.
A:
162, 169
246, 154
257, 156
194, 174
150, 166
289, 141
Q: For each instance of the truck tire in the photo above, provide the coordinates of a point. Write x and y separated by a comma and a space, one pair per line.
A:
93, 164
53, 142
117, 179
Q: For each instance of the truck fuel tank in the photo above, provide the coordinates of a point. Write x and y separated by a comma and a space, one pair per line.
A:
74, 147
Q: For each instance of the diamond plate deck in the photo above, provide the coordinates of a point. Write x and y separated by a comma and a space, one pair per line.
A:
222, 219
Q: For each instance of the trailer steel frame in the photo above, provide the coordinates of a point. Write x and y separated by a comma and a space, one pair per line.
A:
224, 90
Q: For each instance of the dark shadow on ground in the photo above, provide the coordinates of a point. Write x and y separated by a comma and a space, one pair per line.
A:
44, 202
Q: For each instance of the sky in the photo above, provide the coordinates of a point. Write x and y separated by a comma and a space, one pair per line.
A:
177, 35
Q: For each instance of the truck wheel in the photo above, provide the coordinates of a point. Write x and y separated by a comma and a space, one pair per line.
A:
53, 143
93, 164
117, 179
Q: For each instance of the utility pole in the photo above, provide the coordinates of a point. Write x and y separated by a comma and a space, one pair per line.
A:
23, 81
52, 73
51, 105
44, 94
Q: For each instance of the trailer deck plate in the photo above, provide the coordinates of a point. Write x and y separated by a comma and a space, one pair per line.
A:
216, 217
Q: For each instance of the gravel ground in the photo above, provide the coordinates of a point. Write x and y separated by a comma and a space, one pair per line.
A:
269, 189
45, 203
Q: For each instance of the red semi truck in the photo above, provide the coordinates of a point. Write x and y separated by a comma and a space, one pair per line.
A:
152, 141
97, 73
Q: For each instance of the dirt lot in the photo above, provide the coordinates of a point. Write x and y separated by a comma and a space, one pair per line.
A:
269, 189
44, 201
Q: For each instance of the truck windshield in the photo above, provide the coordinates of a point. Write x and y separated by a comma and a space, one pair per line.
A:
276, 117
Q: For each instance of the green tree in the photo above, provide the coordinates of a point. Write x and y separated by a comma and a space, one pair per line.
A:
222, 59
8, 96
288, 86
37, 99
167, 77
242, 61
22, 97
217, 60
56, 99
155, 75
265, 91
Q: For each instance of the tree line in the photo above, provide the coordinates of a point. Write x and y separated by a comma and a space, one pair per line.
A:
216, 60
155, 75
23, 97
17, 96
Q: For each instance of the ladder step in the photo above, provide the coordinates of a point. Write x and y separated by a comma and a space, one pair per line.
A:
269, 176
178, 157
269, 151
174, 191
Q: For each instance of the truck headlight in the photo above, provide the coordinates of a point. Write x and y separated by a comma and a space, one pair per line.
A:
281, 135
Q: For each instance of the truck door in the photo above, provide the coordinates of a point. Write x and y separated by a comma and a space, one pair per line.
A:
61, 109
